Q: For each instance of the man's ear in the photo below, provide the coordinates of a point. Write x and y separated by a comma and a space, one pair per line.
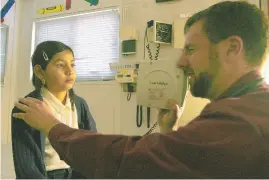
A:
38, 71
235, 46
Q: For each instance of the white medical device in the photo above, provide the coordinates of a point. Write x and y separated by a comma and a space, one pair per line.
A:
159, 81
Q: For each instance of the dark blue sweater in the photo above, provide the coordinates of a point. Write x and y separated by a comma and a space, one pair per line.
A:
28, 144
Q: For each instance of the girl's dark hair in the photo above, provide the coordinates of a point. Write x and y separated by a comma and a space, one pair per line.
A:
46, 50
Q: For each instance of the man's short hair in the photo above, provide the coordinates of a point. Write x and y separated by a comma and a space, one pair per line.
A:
240, 18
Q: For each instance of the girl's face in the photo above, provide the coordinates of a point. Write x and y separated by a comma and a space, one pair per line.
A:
60, 73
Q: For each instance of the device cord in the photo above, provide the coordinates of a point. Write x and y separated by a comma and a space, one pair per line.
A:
139, 118
148, 47
139, 121
151, 129
157, 51
148, 117
129, 95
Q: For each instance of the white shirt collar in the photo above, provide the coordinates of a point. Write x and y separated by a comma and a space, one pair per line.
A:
54, 102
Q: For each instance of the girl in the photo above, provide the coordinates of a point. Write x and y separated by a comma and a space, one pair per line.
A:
53, 79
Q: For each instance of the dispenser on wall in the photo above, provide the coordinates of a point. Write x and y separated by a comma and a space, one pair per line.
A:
128, 37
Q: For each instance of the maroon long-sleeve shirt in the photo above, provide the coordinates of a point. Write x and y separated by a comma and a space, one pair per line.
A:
229, 139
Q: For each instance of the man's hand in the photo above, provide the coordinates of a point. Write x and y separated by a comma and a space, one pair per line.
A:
36, 114
168, 119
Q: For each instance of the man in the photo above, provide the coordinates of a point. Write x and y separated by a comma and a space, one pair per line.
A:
224, 49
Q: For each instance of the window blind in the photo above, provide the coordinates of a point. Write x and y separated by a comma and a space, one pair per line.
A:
3, 49
94, 38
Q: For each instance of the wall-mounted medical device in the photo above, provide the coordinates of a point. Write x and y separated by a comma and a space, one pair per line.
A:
159, 32
126, 76
159, 81
126, 72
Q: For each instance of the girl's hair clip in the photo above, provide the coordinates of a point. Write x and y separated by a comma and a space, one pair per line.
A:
45, 56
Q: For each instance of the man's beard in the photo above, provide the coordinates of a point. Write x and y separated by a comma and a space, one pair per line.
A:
202, 85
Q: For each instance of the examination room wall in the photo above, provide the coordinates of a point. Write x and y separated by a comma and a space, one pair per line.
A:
108, 104
8, 91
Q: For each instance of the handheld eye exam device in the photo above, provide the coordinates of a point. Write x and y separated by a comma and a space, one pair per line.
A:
158, 81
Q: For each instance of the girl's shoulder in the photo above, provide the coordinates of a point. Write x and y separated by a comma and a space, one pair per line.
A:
35, 94
79, 100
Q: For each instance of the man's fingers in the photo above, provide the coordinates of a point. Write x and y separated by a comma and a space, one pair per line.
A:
172, 104
21, 106
29, 101
163, 111
34, 99
19, 115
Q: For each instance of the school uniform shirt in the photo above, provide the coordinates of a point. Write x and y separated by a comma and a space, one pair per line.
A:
29, 144
64, 114
229, 139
